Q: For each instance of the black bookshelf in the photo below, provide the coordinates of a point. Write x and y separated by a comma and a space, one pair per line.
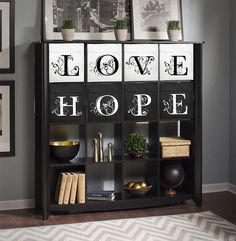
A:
122, 168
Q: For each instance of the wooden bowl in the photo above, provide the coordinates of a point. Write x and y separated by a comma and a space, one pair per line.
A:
64, 150
137, 192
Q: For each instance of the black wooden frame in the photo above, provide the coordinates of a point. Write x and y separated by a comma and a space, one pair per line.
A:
44, 166
133, 23
11, 68
11, 85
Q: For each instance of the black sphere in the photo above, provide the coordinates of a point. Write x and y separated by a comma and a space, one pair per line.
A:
172, 175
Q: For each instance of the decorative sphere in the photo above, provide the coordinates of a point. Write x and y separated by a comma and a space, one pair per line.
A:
172, 175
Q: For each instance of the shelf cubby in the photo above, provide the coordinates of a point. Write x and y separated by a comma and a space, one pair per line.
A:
143, 172
71, 132
112, 133
54, 174
105, 178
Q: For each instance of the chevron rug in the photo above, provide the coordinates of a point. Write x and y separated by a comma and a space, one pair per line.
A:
204, 226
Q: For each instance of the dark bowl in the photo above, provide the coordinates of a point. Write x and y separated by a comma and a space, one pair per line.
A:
64, 150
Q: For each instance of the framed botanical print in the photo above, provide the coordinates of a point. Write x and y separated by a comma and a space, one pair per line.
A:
104, 62
7, 118
7, 41
93, 19
141, 62
149, 18
66, 62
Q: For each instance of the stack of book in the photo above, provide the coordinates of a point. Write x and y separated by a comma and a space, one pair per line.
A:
70, 188
101, 196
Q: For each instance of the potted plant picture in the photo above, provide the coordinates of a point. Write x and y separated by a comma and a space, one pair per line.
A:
121, 29
173, 29
135, 145
68, 30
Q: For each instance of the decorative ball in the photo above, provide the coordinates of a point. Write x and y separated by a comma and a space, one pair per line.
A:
172, 175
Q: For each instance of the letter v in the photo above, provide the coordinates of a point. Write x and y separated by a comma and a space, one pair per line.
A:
142, 68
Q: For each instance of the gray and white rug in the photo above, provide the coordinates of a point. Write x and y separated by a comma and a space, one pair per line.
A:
187, 227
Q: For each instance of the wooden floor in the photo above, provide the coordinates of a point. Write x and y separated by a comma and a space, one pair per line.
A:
222, 204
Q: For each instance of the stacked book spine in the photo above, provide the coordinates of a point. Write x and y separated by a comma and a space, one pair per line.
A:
101, 196
70, 188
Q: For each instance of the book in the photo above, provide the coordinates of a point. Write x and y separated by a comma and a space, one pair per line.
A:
67, 188
60, 189
101, 194
81, 188
101, 198
74, 187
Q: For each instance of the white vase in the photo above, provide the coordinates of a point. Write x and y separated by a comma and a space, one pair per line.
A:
173, 35
121, 34
68, 34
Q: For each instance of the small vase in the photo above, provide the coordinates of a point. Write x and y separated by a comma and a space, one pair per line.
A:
173, 35
109, 153
121, 34
95, 152
68, 34
100, 152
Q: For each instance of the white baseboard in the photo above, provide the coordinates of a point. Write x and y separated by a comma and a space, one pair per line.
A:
232, 188
17, 204
30, 203
218, 187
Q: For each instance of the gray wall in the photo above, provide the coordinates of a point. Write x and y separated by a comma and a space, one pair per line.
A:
17, 173
204, 20
209, 21
233, 95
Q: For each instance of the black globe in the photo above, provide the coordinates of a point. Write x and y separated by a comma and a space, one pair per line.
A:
172, 175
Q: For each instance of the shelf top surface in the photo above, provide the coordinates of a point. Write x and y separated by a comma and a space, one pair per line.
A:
120, 42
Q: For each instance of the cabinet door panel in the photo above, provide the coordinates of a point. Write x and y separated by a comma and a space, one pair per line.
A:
176, 101
141, 102
105, 102
141, 62
67, 103
66, 63
104, 62
176, 62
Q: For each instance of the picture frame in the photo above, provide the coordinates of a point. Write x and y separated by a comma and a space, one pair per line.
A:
7, 40
145, 14
7, 118
94, 21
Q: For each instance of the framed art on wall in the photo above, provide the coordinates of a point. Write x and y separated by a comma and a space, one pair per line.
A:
93, 19
7, 42
7, 118
149, 18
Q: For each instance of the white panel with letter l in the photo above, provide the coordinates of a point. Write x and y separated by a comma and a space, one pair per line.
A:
66, 63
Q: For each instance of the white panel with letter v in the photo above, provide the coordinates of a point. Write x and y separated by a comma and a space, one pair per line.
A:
141, 62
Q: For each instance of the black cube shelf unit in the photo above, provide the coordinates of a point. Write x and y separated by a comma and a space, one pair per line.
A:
117, 88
